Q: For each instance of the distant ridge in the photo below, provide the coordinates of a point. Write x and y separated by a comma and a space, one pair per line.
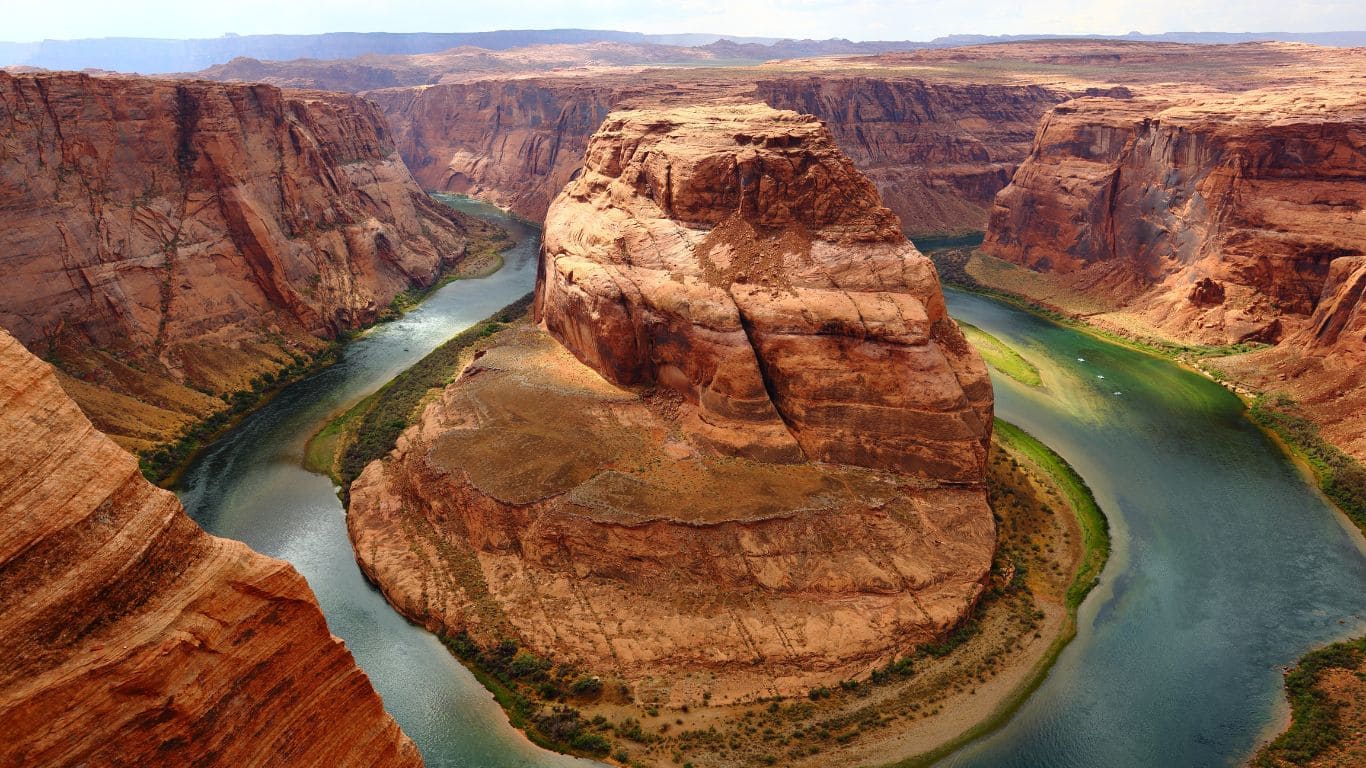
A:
157, 56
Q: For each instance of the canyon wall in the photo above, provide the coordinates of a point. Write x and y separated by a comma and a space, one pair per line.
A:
166, 242
1212, 220
129, 637
1215, 219
746, 418
938, 153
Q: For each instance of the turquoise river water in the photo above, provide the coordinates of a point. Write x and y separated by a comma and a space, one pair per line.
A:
1227, 565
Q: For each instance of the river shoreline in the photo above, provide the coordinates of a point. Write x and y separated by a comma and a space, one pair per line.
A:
1186, 357
984, 707
486, 261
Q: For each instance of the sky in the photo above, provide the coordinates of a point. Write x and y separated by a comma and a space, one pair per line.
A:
26, 20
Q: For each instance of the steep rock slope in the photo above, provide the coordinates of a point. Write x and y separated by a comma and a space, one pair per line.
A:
1215, 219
938, 153
753, 308
130, 637
169, 241
744, 262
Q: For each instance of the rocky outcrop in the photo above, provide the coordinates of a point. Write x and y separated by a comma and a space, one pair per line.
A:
938, 153
198, 233
1323, 365
746, 419
736, 256
1153, 203
130, 637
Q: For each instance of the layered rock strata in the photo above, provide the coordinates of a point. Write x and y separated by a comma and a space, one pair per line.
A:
1214, 220
938, 153
168, 241
742, 457
130, 637
742, 261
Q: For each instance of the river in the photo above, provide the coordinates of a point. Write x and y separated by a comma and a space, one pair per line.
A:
1226, 564
251, 486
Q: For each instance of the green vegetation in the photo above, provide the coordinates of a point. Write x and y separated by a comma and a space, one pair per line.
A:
1315, 724
517, 678
1095, 529
1001, 356
164, 464
1095, 551
1341, 477
370, 429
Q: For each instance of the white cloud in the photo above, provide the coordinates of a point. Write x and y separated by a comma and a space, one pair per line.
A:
856, 19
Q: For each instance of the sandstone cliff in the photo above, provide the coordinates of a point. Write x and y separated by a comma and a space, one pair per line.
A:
937, 152
1213, 220
167, 242
744, 262
772, 439
129, 637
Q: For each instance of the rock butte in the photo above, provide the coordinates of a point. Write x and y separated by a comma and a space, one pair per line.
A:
130, 637
1212, 220
772, 438
169, 241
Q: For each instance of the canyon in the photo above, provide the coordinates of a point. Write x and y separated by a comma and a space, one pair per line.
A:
1216, 220
131, 637
170, 243
744, 415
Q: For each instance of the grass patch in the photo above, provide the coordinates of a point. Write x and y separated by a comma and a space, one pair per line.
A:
1001, 356
1095, 529
1315, 725
1341, 477
370, 429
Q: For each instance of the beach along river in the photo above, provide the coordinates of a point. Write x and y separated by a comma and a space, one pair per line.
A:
1226, 566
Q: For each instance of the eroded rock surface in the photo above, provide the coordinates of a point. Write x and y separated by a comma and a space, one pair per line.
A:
129, 637
735, 255
1210, 218
763, 471
166, 241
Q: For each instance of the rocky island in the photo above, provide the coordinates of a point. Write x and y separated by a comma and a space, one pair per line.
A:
741, 455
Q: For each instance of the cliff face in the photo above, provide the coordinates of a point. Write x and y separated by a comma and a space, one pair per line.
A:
938, 153
199, 233
1217, 220
130, 637
772, 437
745, 263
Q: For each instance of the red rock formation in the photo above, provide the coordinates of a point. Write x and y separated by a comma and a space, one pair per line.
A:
1323, 365
130, 637
764, 326
1144, 199
201, 232
938, 153
734, 255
